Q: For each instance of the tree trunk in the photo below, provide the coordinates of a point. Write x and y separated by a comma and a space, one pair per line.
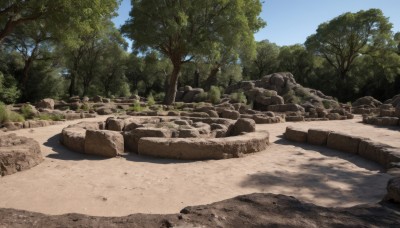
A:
196, 79
25, 72
173, 83
212, 78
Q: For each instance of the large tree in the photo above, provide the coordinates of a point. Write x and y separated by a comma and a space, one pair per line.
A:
348, 36
57, 15
183, 29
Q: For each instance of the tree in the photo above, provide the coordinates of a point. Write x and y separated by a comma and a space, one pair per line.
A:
349, 36
77, 17
265, 62
183, 29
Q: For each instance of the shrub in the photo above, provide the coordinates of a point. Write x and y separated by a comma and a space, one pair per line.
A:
7, 115
54, 117
27, 111
150, 100
214, 95
86, 107
159, 96
136, 106
238, 97
201, 97
290, 97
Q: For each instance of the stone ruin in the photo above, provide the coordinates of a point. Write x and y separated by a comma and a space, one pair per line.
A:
385, 155
18, 153
280, 95
189, 138
376, 113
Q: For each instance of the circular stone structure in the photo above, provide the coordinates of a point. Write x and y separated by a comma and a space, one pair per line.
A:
18, 153
187, 138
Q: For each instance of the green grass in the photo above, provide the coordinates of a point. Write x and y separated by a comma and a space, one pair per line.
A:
54, 117
7, 115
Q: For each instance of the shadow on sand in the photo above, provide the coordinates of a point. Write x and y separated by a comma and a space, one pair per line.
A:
322, 180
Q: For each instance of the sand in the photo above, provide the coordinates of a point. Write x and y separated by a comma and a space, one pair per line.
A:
68, 182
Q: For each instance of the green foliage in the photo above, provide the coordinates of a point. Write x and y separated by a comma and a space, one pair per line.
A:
238, 97
214, 95
150, 100
326, 104
290, 97
86, 107
225, 27
7, 115
345, 38
27, 111
159, 96
54, 117
9, 93
136, 107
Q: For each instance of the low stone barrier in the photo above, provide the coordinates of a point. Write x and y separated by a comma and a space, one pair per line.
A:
385, 155
189, 138
202, 149
18, 153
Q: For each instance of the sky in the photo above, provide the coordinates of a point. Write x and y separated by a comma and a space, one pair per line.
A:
292, 21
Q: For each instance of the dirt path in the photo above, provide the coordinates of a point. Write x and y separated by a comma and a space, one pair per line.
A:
69, 182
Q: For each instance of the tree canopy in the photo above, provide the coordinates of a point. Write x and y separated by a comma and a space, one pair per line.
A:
183, 29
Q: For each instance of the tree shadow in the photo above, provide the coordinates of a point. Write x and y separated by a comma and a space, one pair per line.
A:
63, 153
324, 181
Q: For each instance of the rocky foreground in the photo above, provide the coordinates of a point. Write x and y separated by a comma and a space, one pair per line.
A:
254, 210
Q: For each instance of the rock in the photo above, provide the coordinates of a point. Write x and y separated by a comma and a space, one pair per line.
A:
97, 99
74, 139
104, 111
294, 118
318, 137
367, 101
252, 210
230, 114
189, 133
113, 124
296, 135
202, 149
104, 143
132, 137
243, 126
46, 103
18, 154
212, 114
286, 108
189, 95
393, 190
343, 142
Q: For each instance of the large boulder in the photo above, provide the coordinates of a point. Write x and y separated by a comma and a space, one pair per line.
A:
74, 138
47, 103
367, 101
243, 125
343, 142
18, 153
295, 134
230, 114
318, 137
114, 124
104, 143
190, 95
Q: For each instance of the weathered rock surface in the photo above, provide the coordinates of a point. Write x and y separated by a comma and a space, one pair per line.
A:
46, 103
104, 143
18, 153
74, 138
296, 135
254, 210
243, 125
203, 149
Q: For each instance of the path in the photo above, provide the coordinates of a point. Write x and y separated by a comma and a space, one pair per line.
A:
69, 182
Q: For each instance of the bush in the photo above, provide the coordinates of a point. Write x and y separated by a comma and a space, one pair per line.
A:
290, 97
136, 107
7, 115
214, 95
27, 111
159, 96
54, 117
201, 97
238, 97
150, 100
86, 107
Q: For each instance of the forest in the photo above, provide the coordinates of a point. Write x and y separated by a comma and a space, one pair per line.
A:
58, 49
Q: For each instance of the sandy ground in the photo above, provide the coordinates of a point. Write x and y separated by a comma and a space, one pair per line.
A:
67, 182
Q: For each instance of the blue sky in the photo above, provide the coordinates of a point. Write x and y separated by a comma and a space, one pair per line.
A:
292, 21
